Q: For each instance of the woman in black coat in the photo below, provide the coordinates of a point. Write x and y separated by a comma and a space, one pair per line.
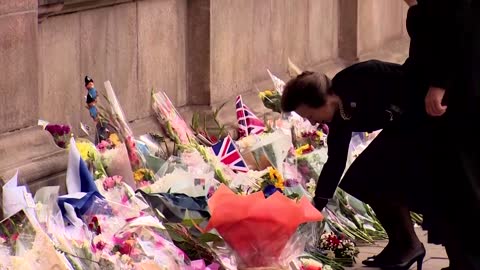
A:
365, 97
445, 60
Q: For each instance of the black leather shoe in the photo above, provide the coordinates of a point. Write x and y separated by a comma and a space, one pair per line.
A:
373, 261
416, 258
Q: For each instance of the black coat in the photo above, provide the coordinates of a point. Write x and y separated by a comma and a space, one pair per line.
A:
445, 48
445, 52
373, 94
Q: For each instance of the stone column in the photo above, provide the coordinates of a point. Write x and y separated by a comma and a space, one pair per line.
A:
23, 145
348, 30
198, 52
19, 68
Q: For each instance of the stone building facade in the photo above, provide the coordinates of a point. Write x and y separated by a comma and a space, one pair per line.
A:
200, 52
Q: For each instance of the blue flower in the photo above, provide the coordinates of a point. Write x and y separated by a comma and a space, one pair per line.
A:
269, 190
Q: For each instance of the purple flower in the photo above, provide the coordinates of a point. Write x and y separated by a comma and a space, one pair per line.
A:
58, 130
53, 129
291, 183
66, 129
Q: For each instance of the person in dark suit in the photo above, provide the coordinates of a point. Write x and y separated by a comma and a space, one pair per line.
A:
444, 62
365, 97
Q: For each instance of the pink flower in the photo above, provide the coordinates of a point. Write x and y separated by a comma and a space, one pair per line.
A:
124, 198
143, 183
103, 146
109, 183
100, 245
125, 248
118, 179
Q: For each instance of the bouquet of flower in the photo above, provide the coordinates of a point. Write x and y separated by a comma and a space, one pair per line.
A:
252, 226
120, 142
174, 126
338, 247
92, 156
24, 245
116, 160
143, 177
271, 99
272, 182
146, 238
265, 150
310, 162
115, 190
61, 133
313, 138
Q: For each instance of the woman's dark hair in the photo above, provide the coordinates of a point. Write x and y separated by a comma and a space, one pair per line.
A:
308, 88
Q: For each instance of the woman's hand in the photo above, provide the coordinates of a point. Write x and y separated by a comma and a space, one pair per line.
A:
433, 101
411, 2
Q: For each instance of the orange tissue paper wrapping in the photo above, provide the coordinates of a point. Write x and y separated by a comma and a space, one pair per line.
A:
258, 228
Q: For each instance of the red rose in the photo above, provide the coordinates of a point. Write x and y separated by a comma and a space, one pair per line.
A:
98, 230
100, 245
125, 248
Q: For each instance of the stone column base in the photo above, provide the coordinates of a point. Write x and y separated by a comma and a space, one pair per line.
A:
39, 161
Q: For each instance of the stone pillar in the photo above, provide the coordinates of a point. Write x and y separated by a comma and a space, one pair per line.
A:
24, 146
19, 68
198, 52
348, 30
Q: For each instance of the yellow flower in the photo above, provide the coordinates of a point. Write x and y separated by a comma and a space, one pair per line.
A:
276, 178
299, 151
138, 175
114, 139
280, 185
143, 174
268, 93
261, 95
84, 148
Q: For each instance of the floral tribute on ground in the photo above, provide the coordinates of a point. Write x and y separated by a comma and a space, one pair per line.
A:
191, 197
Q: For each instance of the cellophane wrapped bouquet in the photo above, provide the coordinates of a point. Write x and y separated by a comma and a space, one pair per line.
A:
260, 231
125, 238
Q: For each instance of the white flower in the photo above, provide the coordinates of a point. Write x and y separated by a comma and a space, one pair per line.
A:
125, 258
327, 267
311, 262
330, 254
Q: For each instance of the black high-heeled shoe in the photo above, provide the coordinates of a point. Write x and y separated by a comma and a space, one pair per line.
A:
373, 261
417, 258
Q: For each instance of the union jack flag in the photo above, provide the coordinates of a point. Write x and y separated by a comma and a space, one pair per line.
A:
248, 123
229, 154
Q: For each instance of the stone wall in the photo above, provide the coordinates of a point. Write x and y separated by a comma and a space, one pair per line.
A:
136, 45
201, 52
249, 36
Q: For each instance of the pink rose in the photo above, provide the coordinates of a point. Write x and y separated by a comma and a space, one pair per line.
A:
118, 179
109, 183
103, 146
